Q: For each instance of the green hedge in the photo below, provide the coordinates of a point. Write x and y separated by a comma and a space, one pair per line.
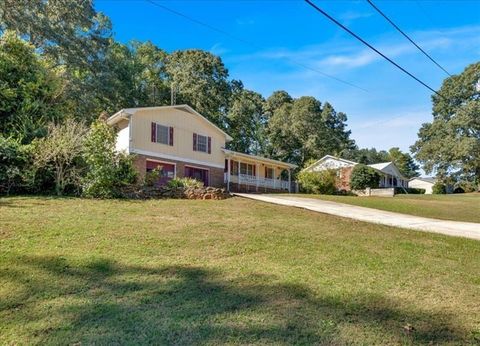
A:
409, 190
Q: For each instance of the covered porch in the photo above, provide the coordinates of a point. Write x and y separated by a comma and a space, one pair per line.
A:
245, 172
388, 180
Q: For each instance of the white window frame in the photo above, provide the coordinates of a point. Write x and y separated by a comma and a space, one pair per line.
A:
199, 145
157, 134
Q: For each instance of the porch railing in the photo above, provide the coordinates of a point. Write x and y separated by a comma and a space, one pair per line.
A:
254, 181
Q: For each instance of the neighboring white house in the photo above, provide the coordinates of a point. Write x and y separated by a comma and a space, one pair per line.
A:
390, 175
423, 183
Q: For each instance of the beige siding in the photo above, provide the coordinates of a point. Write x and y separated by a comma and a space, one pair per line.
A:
184, 124
123, 136
420, 184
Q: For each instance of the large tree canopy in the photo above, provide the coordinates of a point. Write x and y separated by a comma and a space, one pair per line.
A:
69, 32
301, 129
450, 144
31, 90
200, 80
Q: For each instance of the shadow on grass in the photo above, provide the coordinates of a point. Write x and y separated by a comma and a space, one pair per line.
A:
103, 302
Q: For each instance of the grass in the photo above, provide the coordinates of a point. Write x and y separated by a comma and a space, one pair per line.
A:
76, 271
457, 207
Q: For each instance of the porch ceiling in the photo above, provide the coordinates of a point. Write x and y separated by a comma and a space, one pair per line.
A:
256, 159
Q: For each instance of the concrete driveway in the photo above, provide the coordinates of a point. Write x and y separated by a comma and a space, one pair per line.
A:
454, 228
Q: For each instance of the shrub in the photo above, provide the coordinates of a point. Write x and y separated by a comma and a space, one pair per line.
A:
108, 171
322, 182
185, 182
409, 190
439, 188
15, 159
363, 176
467, 186
152, 177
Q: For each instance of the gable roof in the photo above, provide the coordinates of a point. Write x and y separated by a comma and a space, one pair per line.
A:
380, 165
330, 157
430, 180
126, 112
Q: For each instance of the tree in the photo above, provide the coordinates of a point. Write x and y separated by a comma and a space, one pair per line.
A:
108, 171
450, 144
200, 80
300, 129
363, 176
366, 156
404, 162
69, 32
246, 122
61, 150
30, 90
339, 137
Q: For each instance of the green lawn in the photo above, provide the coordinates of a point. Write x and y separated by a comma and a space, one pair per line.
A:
75, 271
459, 207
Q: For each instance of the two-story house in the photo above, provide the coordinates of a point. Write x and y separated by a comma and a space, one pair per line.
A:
183, 143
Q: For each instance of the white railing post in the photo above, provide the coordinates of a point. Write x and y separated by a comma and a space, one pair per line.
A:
239, 176
228, 175
274, 178
257, 175
289, 181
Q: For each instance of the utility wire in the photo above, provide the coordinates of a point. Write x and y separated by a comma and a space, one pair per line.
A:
406, 36
225, 33
370, 46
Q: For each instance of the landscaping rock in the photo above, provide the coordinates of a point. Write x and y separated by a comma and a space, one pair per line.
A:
158, 192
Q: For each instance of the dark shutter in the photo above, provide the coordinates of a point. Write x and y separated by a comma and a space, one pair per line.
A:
171, 136
254, 170
209, 145
266, 175
194, 142
154, 132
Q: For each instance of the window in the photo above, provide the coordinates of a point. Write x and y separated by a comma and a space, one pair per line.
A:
268, 173
162, 134
202, 143
247, 169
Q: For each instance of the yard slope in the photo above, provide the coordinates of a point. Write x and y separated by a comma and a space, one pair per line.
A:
233, 271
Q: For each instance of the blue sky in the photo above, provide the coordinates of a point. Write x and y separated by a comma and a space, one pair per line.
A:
289, 33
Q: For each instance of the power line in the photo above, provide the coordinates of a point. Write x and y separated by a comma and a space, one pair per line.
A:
225, 33
370, 46
406, 36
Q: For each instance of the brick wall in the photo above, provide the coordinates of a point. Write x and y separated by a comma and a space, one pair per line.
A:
343, 179
215, 176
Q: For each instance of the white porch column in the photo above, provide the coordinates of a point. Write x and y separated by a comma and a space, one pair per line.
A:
274, 177
289, 181
228, 174
257, 174
239, 176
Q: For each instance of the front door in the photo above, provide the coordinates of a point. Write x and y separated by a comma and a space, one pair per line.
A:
197, 173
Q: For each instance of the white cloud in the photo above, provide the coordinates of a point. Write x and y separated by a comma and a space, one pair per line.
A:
349, 54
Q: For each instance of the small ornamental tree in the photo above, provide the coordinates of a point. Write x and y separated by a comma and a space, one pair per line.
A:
61, 151
108, 171
323, 182
363, 176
